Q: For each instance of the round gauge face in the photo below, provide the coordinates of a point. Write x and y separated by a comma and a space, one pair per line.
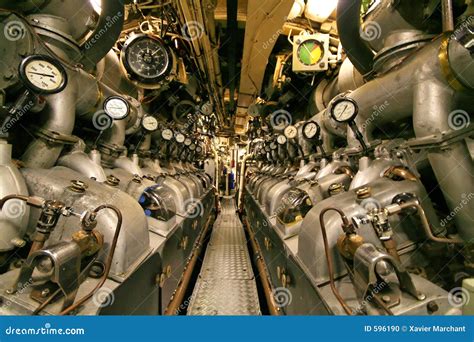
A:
150, 123
310, 129
116, 107
180, 138
344, 110
43, 74
146, 59
281, 139
188, 141
167, 134
198, 149
291, 132
310, 52
192, 147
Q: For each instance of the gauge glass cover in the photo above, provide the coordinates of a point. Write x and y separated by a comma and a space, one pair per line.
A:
310, 52
43, 74
310, 129
344, 110
167, 134
291, 132
180, 138
281, 139
146, 59
116, 107
150, 123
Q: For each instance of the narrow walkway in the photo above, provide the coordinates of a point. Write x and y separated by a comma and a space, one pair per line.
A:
226, 284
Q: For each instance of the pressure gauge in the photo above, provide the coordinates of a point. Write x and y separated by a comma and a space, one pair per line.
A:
116, 107
167, 134
198, 149
150, 123
192, 147
344, 110
188, 141
43, 74
146, 59
281, 139
310, 129
310, 52
291, 132
180, 138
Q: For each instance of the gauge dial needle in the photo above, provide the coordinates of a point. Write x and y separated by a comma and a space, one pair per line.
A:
38, 73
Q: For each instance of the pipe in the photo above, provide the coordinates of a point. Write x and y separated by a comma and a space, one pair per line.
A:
79, 161
242, 178
57, 119
178, 296
448, 15
425, 224
105, 34
452, 166
348, 26
263, 272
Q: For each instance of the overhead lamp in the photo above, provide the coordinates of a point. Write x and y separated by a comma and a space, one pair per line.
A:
319, 10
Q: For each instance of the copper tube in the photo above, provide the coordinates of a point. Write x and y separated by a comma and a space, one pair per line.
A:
391, 247
108, 263
400, 172
9, 197
262, 270
180, 292
345, 221
426, 224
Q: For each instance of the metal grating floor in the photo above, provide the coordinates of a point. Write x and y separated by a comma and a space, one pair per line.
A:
226, 284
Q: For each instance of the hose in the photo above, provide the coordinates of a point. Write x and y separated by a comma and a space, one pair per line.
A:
348, 27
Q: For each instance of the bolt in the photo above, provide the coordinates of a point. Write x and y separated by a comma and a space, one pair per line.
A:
77, 186
386, 299
421, 296
432, 307
112, 180
137, 179
364, 192
97, 270
335, 188
45, 293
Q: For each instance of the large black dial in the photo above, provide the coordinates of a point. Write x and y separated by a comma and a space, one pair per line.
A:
146, 59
